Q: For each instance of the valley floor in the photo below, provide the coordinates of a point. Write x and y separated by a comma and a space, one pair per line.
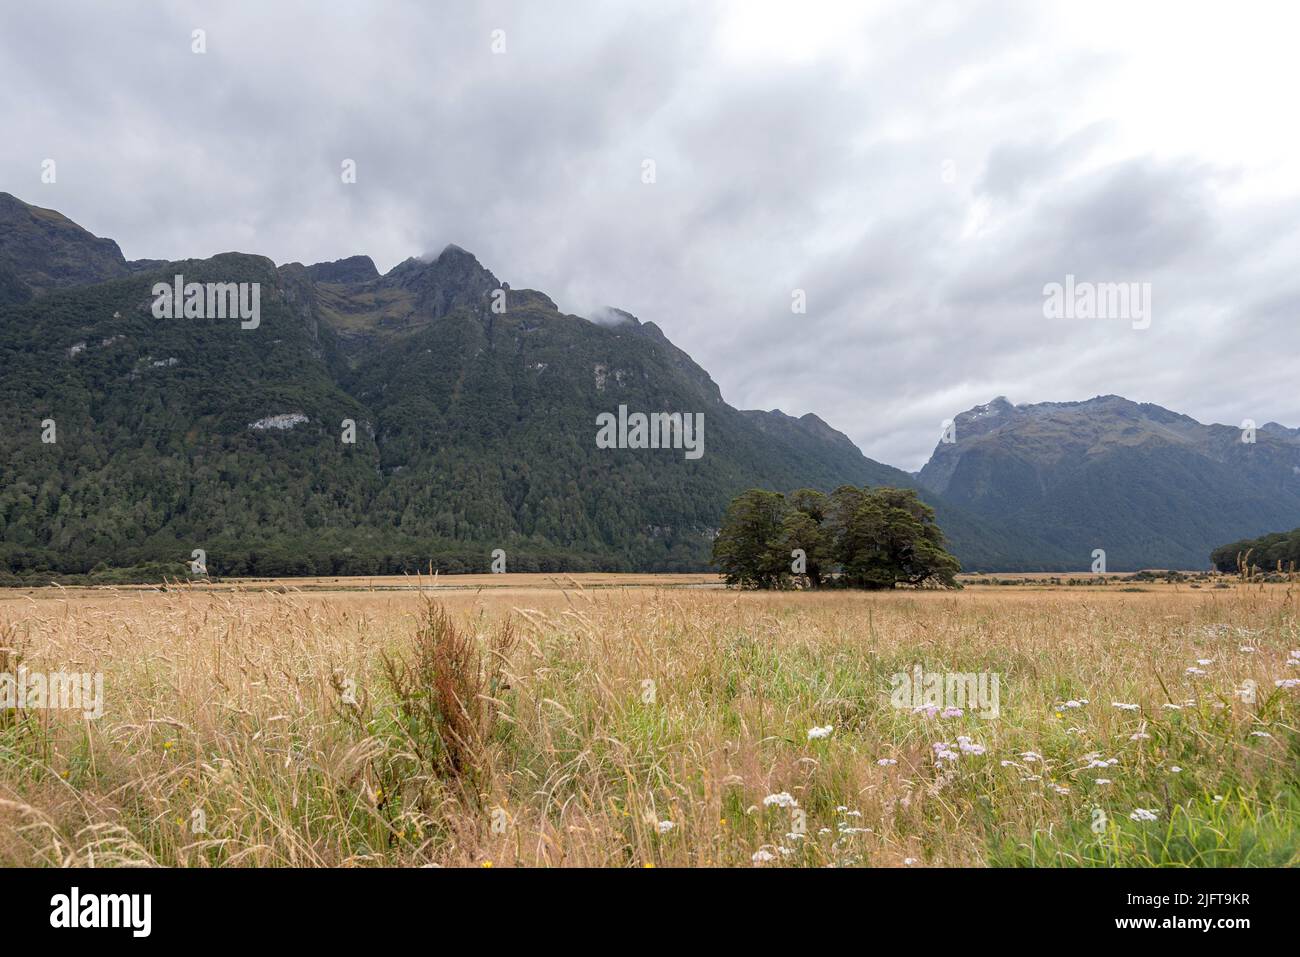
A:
651, 721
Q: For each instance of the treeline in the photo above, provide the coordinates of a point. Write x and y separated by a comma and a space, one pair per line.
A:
1277, 552
282, 560
868, 538
335, 556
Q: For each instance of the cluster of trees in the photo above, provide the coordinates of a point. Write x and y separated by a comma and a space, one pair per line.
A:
1277, 552
855, 537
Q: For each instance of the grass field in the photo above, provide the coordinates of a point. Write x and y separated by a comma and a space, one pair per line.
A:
549, 722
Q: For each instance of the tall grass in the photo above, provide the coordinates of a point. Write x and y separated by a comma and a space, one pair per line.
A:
646, 728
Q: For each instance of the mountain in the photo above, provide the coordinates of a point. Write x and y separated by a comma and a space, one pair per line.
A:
1151, 487
473, 407
41, 249
350, 271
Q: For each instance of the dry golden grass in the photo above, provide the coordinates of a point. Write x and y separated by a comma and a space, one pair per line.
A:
349, 727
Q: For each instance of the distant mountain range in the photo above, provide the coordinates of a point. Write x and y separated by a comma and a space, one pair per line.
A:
474, 411
1151, 487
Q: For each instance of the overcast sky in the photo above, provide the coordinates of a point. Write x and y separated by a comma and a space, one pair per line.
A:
920, 170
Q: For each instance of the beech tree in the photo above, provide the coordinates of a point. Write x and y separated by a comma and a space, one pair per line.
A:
858, 538
748, 546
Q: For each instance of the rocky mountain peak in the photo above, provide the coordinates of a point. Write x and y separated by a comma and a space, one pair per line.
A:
352, 270
453, 278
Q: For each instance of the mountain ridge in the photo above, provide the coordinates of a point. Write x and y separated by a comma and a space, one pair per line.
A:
474, 427
474, 406
1083, 475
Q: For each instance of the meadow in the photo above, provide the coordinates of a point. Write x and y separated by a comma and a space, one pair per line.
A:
516, 720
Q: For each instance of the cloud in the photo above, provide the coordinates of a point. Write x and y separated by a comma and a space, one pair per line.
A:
919, 172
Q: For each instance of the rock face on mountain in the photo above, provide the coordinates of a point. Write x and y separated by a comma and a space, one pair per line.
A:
1151, 487
353, 270
366, 424
381, 423
453, 278
778, 423
45, 250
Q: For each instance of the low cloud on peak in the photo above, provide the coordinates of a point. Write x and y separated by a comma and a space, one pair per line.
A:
919, 173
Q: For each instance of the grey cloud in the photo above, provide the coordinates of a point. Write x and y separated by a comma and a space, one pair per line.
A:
824, 173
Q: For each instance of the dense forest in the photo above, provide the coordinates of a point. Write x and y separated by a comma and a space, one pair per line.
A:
1269, 553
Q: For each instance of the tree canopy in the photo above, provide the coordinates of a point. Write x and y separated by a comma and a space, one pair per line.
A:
1280, 551
869, 538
